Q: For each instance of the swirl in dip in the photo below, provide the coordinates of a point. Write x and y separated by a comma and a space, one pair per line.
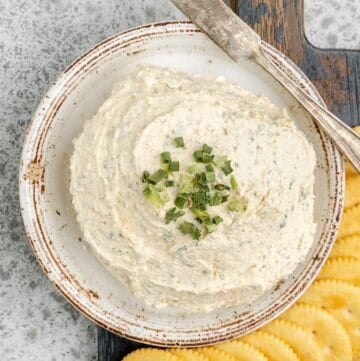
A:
273, 163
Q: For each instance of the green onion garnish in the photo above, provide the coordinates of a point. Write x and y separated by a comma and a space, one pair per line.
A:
174, 166
157, 176
185, 183
197, 189
234, 184
181, 200
145, 176
199, 213
202, 157
165, 157
172, 215
237, 205
179, 142
220, 161
206, 149
200, 199
189, 228
216, 199
221, 187
210, 177
155, 196
226, 168
194, 168
217, 220
209, 168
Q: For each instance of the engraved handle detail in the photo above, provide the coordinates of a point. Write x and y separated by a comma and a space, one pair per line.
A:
345, 139
223, 26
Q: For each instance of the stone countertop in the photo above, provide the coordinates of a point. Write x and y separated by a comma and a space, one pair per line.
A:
38, 39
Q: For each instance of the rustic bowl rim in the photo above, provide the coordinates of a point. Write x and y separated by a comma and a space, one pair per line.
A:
337, 201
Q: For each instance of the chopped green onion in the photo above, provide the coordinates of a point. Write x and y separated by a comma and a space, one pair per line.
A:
172, 215
206, 149
157, 176
194, 168
202, 157
210, 177
200, 199
234, 184
237, 205
207, 158
179, 142
226, 168
186, 183
145, 176
209, 168
221, 187
216, 199
201, 214
181, 200
154, 195
200, 180
165, 157
211, 226
169, 183
174, 166
189, 228
220, 161
198, 155
217, 219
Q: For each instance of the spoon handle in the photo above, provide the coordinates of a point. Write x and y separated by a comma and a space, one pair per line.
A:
345, 139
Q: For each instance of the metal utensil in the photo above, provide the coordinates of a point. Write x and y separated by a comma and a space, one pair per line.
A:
239, 41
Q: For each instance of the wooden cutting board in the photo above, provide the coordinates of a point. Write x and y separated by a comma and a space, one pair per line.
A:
335, 73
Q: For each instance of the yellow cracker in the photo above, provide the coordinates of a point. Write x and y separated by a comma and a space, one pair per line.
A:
214, 354
352, 194
349, 169
271, 346
329, 333
242, 351
302, 341
189, 355
346, 247
341, 269
151, 354
342, 300
350, 223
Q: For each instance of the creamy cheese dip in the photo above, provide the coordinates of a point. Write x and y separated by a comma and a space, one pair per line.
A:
248, 253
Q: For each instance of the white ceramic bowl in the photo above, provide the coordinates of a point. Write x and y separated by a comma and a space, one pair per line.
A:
50, 220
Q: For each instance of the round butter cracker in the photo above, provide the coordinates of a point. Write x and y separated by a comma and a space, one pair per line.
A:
271, 346
301, 340
151, 354
328, 332
352, 193
345, 269
215, 354
341, 300
346, 247
188, 355
242, 351
350, 223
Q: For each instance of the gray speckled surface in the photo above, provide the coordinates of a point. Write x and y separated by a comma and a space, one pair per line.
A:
333, 23
38, 39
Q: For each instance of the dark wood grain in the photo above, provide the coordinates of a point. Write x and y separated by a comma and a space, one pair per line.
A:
335, 73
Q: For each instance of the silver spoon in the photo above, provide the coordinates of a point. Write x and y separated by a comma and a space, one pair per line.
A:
239, 41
